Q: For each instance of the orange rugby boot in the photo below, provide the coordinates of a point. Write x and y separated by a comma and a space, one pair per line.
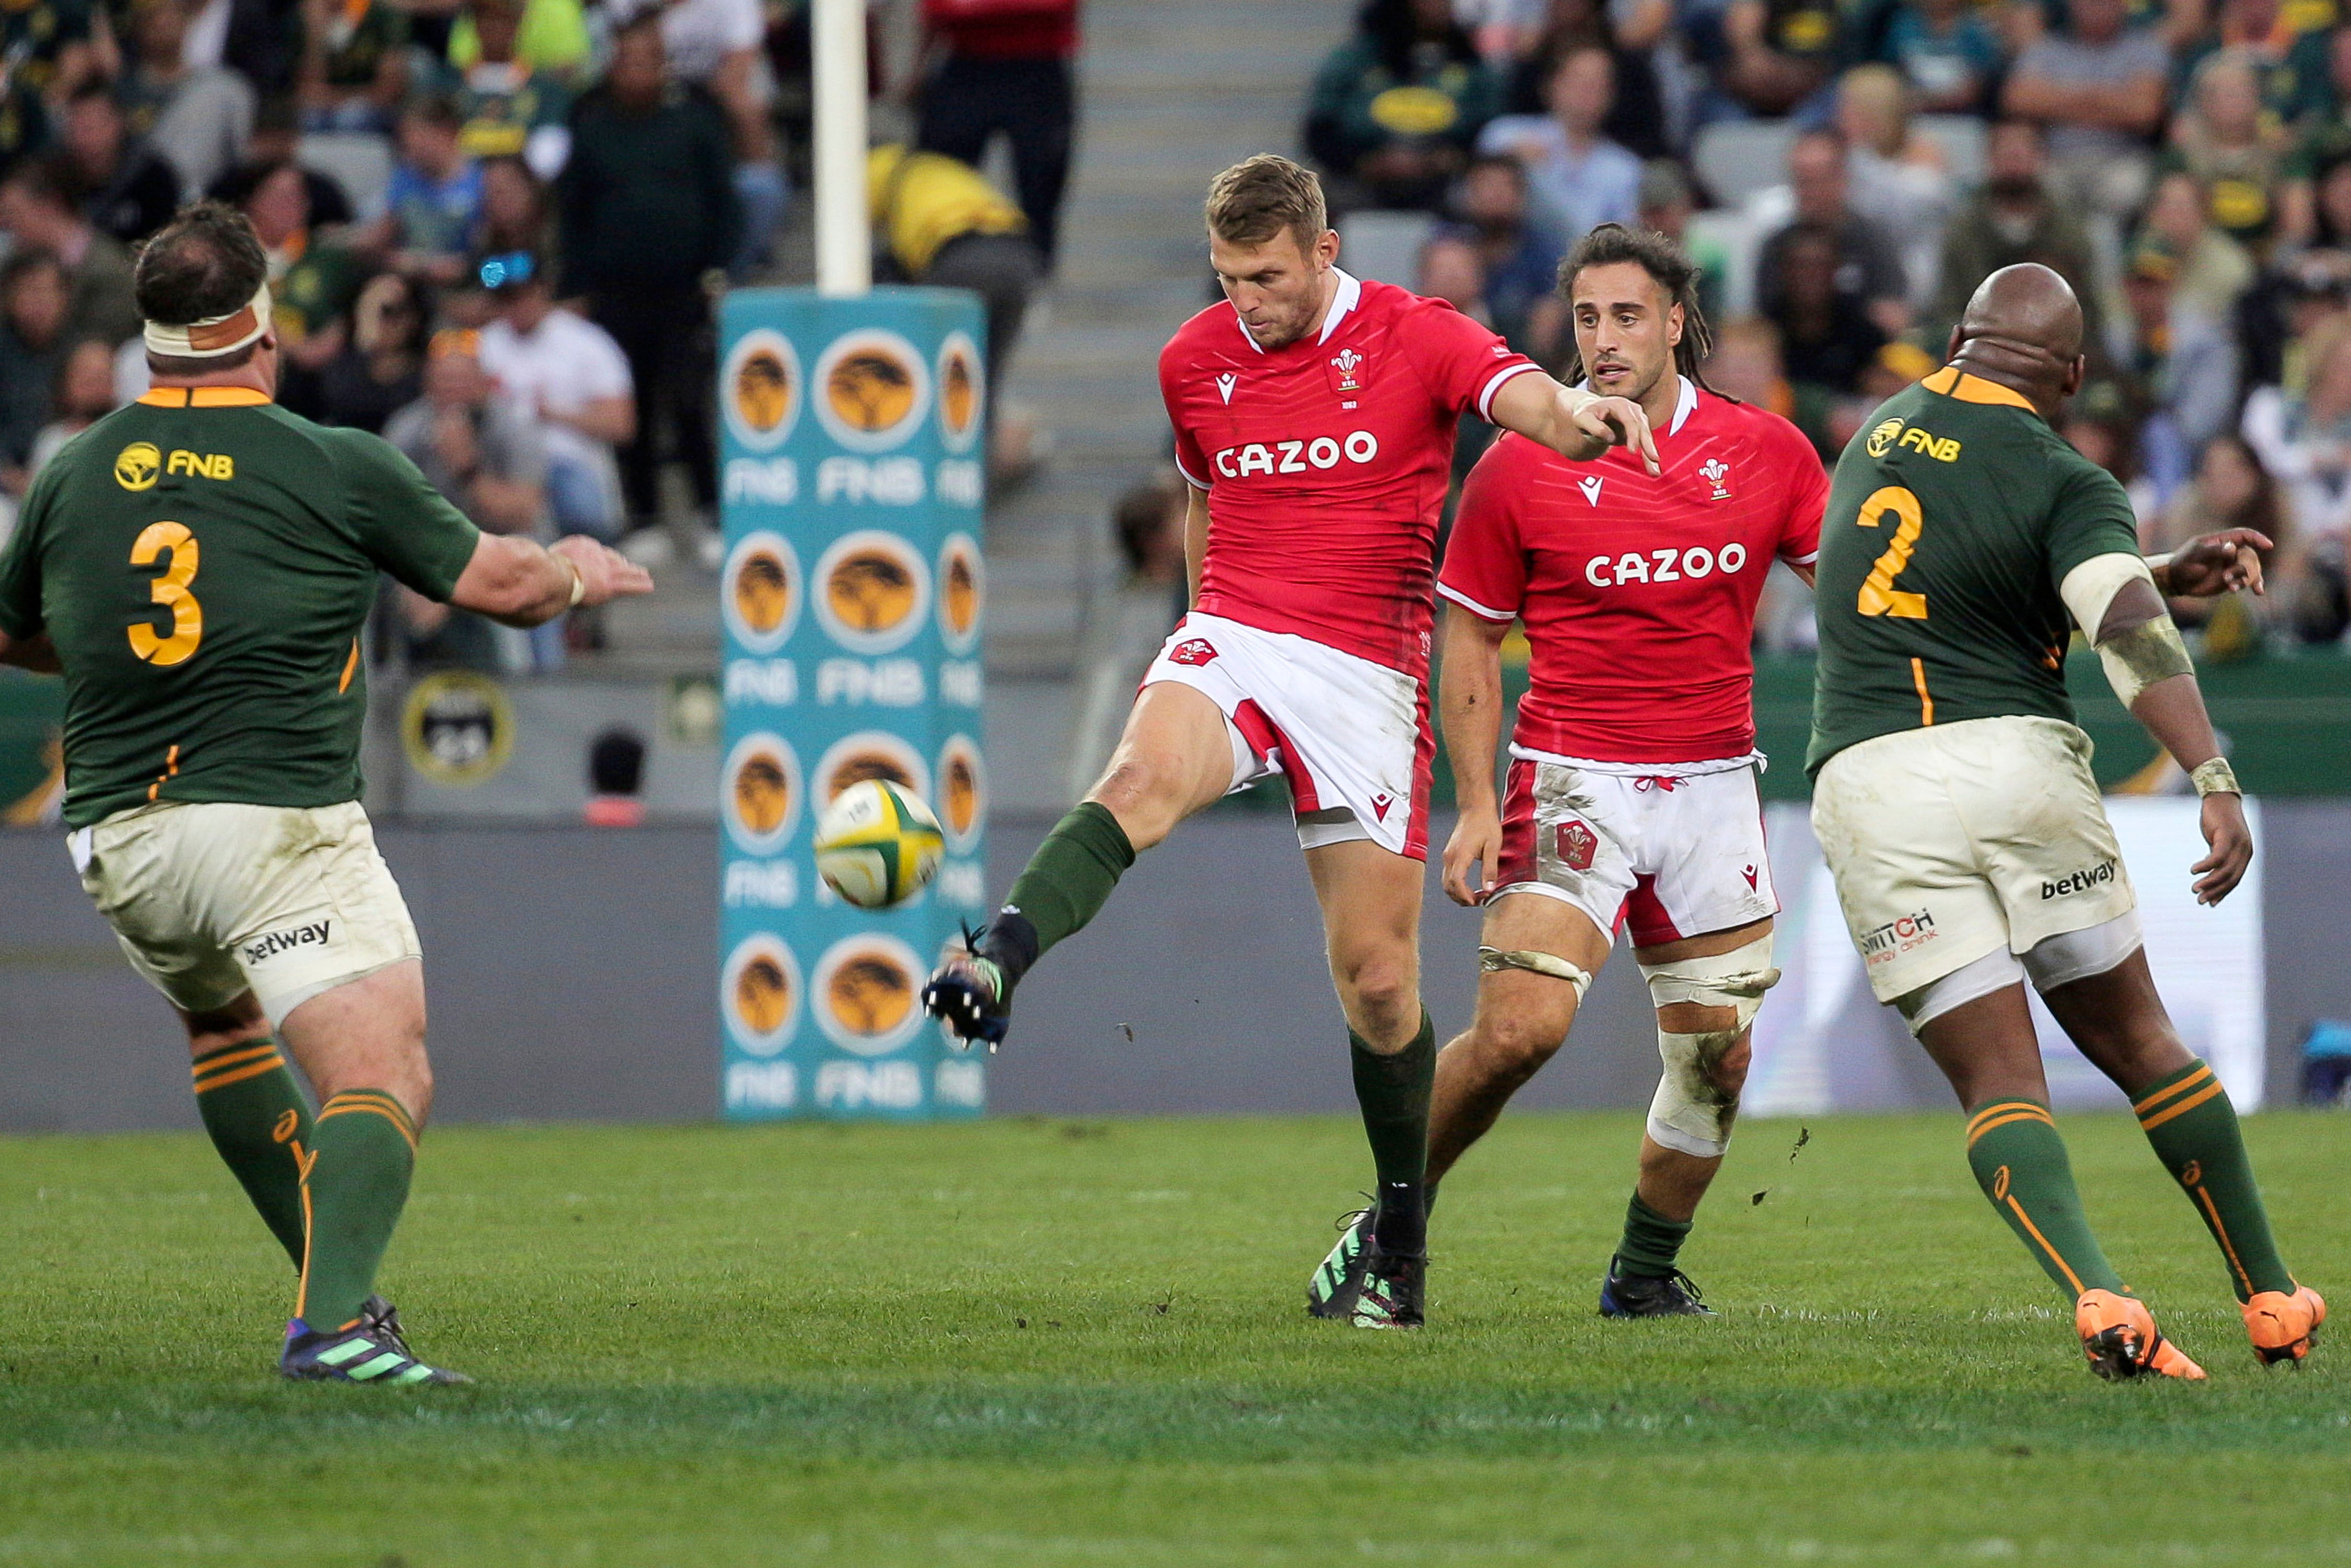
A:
2119, 1336
2283, 1327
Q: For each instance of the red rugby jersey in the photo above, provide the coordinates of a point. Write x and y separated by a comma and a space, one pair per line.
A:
1326, 462
1638, 594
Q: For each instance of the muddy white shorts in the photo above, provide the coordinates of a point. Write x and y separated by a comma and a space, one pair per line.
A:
210, 900
1351, 736
1674, 854
1951, 841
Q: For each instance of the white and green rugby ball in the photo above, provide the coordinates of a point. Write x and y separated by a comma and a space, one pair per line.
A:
878, 844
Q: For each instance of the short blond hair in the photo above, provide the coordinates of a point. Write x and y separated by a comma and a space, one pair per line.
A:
1259, 197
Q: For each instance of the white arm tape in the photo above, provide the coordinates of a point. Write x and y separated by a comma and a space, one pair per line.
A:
2090, 586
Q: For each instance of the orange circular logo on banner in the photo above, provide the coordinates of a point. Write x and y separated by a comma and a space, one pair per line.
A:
872, 591
864, 994
760, 993
963, 392
759, 389
962, 592
963, 790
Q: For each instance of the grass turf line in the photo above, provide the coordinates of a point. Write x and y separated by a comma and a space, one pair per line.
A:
1047, 1343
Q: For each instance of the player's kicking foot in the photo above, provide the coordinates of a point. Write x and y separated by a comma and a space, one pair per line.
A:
2119, 1336
1338, 1283
1395, 1289
968, 994
1674, 1295
2283, 1327
366, 1352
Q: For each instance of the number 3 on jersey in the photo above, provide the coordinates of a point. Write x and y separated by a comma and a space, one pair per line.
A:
170, 589
1878, 594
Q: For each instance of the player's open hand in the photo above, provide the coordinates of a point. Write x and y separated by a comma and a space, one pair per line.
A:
605, 573
2212, 564
1476, 846
1619, 422
2218, 874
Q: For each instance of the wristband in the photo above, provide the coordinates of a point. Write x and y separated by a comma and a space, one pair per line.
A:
2215, 778
579, 585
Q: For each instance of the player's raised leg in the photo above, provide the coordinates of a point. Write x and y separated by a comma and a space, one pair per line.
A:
1176, 756
1371, 920
2118, 1021
1707, 990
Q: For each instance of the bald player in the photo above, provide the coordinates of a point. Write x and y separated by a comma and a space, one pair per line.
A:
1953, 800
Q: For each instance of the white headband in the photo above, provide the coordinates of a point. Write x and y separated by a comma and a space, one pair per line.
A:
215, 336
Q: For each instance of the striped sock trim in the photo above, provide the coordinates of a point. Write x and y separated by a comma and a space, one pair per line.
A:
235, 1063
375, 1101
2177, 1099
2002, 1115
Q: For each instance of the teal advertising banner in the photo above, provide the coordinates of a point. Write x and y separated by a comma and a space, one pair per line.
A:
852, 469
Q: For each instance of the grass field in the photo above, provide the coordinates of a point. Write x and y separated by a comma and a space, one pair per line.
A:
1046, 1343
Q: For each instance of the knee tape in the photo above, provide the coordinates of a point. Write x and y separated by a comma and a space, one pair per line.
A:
1691, 1113
1490, 959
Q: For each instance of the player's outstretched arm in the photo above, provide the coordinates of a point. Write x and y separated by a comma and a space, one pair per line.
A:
1578, 426
2213, 564
520, 582
2147, 666
1469, 704
34, 653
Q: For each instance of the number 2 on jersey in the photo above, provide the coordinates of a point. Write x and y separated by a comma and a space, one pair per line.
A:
170, 589
1878, 594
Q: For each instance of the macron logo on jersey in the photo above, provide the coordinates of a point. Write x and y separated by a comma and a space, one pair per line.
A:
1225, 385
1591, 488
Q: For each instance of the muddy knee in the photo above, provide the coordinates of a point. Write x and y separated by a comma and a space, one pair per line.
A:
1703, 1009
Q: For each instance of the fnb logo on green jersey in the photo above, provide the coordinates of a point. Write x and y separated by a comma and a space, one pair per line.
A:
137, 466
1888, 434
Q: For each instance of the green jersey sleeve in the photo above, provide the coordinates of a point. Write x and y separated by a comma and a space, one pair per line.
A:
404, 525
2089, 515
20, 575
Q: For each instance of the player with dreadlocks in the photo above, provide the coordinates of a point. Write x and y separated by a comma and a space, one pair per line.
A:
1631, 792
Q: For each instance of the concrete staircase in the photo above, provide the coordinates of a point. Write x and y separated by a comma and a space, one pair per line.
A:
1171, 91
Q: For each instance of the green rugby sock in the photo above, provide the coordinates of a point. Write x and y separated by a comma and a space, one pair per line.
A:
1393, 1091
1651, 1242
2021, 1166
260, 1125
2187, 1117
366, 1149
1064, 886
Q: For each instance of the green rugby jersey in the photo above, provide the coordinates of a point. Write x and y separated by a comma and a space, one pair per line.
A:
204, 572
1951, 521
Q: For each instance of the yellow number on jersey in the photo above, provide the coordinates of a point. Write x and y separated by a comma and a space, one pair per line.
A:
170, 589
1878, 595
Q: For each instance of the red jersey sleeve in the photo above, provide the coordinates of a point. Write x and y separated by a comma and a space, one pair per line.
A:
1463, 363
1808, 497
1485, 570
1189, 460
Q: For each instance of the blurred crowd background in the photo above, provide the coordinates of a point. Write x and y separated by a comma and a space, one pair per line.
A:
1847, 172
498, 228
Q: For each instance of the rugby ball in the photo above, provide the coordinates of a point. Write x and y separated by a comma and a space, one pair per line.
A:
877, 844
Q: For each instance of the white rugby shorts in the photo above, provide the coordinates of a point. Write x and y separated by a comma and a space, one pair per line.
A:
1952, 841
1352, 737
212, 899
1674, 854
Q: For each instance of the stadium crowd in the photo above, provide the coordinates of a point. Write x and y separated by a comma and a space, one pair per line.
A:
459, 200
1846, 173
